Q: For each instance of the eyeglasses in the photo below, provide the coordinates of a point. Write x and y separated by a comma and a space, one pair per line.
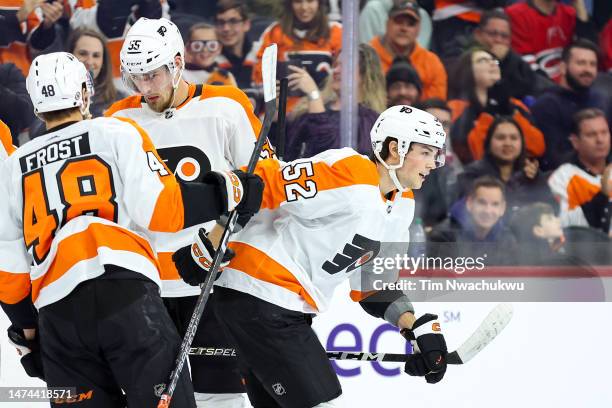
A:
494, 33
197, 46
489, 60
232, 22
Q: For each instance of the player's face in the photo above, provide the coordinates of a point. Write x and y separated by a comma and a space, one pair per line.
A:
506, 143
402, 93
485, 68
203, 47
486, 207
231, 27
90, 52
156, 87
419, 161
305, 10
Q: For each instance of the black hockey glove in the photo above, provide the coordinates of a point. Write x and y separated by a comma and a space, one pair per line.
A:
429, 347
498, 100
240, 191
29, 350
194, 262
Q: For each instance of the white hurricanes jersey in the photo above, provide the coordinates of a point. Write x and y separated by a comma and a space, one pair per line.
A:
214, 129
68, 198
321, 218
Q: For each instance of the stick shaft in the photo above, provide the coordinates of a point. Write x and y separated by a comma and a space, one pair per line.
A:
282, 114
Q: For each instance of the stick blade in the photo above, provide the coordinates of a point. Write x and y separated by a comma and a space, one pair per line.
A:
268, 72
490, 327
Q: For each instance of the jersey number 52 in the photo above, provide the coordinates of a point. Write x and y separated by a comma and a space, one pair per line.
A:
301, 186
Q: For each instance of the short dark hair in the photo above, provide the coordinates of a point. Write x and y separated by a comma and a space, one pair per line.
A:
200, 26
240, 6
527, 217
585, 114
384, 152
433, 103
490, 15
580, 43
58, 114
486, 181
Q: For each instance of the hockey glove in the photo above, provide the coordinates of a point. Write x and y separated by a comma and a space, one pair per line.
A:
239, 190
429, 347
194, 262
29, 350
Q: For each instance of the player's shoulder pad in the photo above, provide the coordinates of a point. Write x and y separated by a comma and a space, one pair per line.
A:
227, 91
134, 101
120, 127
349, 164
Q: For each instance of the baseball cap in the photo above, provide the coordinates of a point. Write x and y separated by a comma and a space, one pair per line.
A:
404, 7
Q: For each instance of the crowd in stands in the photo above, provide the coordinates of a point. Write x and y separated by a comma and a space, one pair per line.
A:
522, 88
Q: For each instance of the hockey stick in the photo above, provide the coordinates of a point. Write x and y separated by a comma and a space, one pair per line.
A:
490, 327
282, 115
268, 67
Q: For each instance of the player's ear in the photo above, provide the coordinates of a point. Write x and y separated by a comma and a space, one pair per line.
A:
393, 153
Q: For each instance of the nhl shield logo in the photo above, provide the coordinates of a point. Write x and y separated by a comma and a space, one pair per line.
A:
278, 389
159, 389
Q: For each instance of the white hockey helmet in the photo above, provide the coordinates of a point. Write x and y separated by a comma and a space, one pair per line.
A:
407, 125
150, 44
56, 81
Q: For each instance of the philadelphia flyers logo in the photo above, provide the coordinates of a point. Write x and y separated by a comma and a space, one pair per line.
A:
354, 254
188, 163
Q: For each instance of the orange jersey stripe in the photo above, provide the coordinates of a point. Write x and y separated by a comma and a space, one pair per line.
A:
166, 217
14, 287
580, 191
260, 266
6, 139
168, 270
343, 173
358, 296
125, 103
84, 245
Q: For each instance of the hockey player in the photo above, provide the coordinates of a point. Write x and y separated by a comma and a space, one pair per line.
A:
322, 218
69, 201
6, 141
195, 128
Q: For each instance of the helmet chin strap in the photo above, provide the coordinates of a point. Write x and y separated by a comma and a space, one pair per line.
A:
174, 88
395, 180
391, 171
84, 108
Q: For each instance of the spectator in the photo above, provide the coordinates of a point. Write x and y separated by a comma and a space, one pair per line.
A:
453, 23
583, 186
26, 24
538, 230
90, 48
554, 109
399, 40
303, 34
15, 106
493, 34
436, 196
201, 52
315, 123
404, 86
506, 161
112, 18
479, 97
238, 54
373, 19
541, 29
476, 228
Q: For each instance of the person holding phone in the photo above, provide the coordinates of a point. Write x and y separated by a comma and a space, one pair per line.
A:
305, 37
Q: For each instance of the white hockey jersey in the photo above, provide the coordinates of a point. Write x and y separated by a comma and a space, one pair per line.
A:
68, 198
321, 219
214, 129
6, 141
